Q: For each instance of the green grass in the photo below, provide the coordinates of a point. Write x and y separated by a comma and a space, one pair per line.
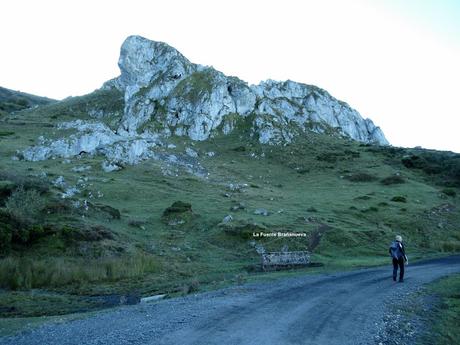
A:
305, 186
24, 273
445, 319
195, 86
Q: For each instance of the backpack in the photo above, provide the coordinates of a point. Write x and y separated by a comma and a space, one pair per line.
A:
395, 250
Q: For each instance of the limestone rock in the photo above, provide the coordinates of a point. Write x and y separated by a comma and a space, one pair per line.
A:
186, 99
165, 94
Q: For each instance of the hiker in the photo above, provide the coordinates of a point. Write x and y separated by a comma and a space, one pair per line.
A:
398, 254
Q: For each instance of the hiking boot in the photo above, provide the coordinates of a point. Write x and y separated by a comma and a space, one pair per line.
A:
394, 279
401, 280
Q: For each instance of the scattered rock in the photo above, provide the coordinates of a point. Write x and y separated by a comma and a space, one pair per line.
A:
235, 187
59, 182
239, 206
190, 152
227, 219
109, 167
261, 212
81, 168
70, 192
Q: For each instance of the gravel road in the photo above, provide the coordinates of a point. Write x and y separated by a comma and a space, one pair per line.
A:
343, 308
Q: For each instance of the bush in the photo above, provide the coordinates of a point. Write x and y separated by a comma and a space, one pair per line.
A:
6, 189
444, 165
399, 198
192, 286
109, 210
242, 229
87, 233
240, 148
361, 177
393, 179
363, 197
6, 234
370, 209
449, 192
178, 207
329, 157
25, 206
178, 213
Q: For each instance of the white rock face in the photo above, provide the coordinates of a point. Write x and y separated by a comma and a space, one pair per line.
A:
149, 71
191, 100
165, 94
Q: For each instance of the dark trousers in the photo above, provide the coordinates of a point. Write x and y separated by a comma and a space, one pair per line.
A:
398, 262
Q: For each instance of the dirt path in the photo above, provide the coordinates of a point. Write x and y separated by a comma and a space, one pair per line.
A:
344, 308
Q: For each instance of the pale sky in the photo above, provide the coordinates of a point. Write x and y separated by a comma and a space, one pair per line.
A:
395, 61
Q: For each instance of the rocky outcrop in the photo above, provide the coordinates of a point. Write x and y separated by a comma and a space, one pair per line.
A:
182, 98
165, 94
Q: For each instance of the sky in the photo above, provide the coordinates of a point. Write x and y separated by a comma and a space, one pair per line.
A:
395, 61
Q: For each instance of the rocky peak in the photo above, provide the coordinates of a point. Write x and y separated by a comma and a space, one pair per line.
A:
183, 98
149, 71
165, 94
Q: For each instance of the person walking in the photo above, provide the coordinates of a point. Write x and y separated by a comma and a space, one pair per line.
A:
398, 254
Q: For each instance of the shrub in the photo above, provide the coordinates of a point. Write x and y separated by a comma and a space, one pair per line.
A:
399, 198
25, 206
361, 177
192, 286
445, 165
6, 189
329, 157
178, 213
109, 210
178, 207
136, 223
370, 209
363, 197
240, 148
6, 234
449, 192
27, 182
393, 179
242, 229
87, 233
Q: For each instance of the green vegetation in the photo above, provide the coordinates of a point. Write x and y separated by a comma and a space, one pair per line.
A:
11, 101
399, 198
144, 230
25, 273
361, 177
196, 85
393, 179
445, 320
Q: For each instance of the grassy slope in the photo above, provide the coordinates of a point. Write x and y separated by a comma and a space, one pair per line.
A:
303, 185
14, 100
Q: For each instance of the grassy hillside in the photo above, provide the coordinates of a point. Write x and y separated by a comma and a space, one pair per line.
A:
15, 101
118, 239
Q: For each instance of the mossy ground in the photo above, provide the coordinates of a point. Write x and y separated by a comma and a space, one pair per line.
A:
304, 187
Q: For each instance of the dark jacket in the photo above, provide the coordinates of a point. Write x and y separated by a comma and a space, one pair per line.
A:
397, 250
